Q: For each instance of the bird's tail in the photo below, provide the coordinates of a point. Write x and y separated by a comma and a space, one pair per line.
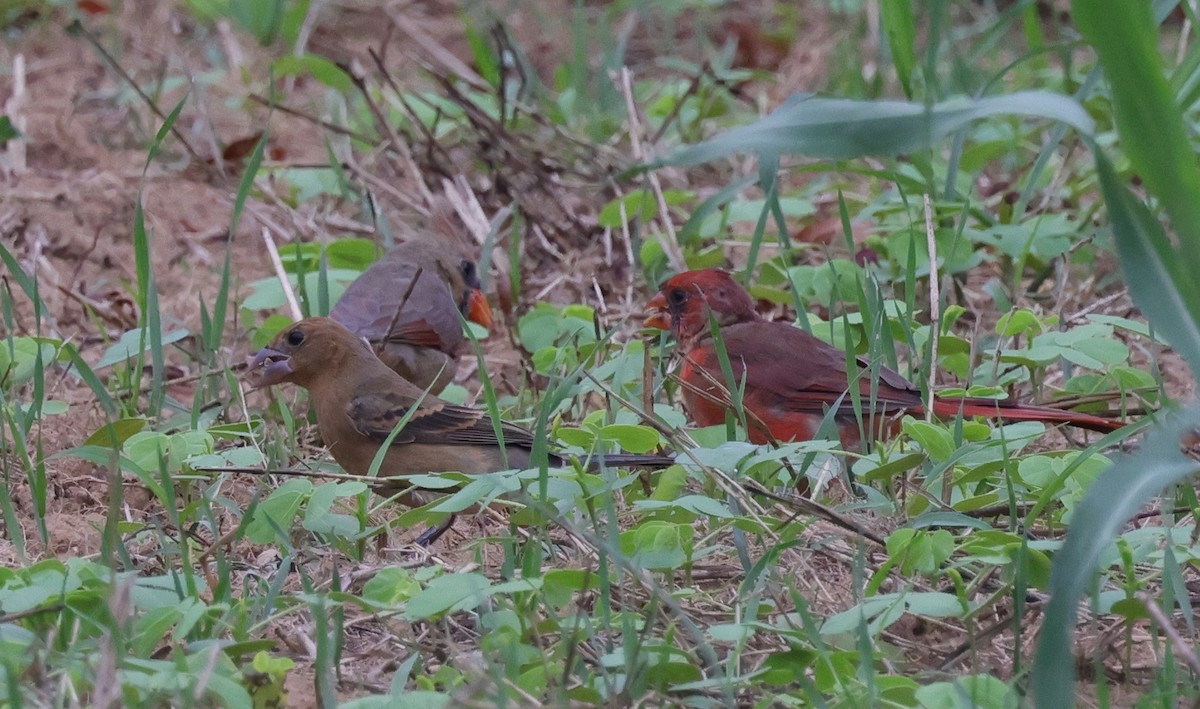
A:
1021, 412
628, 460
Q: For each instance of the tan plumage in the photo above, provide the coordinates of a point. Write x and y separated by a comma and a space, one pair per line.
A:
359, 401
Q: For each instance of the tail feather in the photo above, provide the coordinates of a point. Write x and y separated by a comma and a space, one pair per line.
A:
1021, 412
628, 460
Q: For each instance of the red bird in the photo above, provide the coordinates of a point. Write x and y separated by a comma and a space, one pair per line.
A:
791, 378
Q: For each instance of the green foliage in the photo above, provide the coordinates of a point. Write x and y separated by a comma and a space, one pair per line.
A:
685, 585
842, 128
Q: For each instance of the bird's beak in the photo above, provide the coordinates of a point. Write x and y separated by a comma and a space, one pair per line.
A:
659, 318
269, 366
478, 310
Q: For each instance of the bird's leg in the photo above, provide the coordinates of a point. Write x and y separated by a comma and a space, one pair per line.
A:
431, 535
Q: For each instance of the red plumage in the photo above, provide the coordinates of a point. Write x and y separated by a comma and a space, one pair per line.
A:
789, 378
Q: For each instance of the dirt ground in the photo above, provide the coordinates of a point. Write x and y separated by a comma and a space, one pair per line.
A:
69, 191
70, 188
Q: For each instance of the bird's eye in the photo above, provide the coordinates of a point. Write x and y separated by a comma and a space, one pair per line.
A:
295, 337
677, 296
470, 273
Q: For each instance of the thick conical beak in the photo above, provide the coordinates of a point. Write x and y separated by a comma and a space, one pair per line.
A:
269, 366
659, 318
478, 310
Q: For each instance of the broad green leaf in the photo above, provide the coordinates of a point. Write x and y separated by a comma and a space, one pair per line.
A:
278, 510
656, 544
351, 253
390, 587
559, 586
871, 609
417, 699
934, 604
116, 433
696, 504
127, 346
449, 593
970, 692
24, 358
936, 440
635, 439
319, 516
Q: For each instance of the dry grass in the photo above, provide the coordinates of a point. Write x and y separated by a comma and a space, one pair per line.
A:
66, 215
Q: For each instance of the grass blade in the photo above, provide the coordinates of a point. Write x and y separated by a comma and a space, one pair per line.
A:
839, 129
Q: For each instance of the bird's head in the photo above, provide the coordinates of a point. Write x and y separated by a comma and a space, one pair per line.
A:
684, 302
304, 350
463, 278
448, 244
456, 269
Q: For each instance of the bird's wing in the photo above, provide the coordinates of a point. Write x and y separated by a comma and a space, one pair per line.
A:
375, 414
785, 362
374, 307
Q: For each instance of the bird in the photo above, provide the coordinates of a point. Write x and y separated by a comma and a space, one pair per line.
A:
407, 304
359, 401
790, 378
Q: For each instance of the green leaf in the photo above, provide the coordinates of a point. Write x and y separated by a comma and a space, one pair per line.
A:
356, 254
896, 16
127, 346
482, 488
280, 508
1018, 322
656, 544
114, 434
671, 483
640, 205
267, 293
7, 130
934, 604
446, 594
936, 440
970, 692
1154, 271
318, 515
878, 610
839, 129
417, 699
24, 357
635, 439
1154, 135
948, 519
696, 504
920, 551
261, 18
559, 586
390, 587
1115, 497
319, 67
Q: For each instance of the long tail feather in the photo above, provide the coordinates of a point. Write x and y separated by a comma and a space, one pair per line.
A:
629, 460
1021, 412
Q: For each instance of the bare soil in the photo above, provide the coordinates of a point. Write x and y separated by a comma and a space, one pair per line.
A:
70, 190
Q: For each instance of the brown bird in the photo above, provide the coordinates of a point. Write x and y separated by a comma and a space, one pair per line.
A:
415, 327
359, 400
789, 377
